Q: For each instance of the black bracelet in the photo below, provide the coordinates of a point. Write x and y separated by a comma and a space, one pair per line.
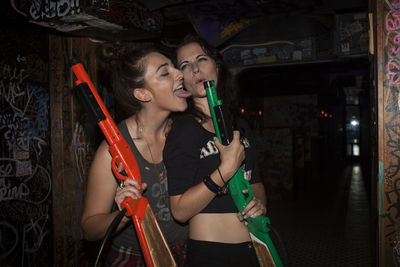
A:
212, 186
224, 188
220, 175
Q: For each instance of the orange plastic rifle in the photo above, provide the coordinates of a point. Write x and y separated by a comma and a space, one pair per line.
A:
152, 241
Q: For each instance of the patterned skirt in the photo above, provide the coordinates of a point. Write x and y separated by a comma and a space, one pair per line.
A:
129, 257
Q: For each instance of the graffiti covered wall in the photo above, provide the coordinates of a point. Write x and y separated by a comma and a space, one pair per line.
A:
388, 67
25, 163
72, 150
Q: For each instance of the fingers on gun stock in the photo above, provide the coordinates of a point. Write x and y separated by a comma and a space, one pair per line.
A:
124, 181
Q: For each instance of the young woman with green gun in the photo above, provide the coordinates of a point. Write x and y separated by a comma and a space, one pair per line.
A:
199, 168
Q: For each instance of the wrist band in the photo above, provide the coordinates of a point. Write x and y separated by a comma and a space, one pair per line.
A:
212, 186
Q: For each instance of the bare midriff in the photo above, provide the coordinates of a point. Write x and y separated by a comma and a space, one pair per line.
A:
218, 227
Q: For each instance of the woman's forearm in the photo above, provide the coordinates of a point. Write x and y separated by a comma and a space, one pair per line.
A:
194, 200
95, 226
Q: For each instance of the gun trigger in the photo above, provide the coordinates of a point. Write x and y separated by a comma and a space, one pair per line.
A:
121, 184
246, 195
121, 170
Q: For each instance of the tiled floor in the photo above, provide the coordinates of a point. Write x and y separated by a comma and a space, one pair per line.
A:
328, 225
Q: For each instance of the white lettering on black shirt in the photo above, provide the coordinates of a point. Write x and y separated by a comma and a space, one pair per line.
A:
211, 149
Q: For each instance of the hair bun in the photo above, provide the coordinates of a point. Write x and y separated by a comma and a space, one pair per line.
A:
109, 54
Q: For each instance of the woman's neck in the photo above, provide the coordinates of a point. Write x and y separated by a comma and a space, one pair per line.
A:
149, 134
144, 125
202, 105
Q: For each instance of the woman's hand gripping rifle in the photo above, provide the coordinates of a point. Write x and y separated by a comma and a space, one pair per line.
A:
258, 227
152, 241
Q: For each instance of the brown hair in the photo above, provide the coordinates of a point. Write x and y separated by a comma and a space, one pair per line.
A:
125, 69
226, 89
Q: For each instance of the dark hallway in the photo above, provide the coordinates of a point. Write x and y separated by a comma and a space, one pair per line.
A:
314, 137
329, 224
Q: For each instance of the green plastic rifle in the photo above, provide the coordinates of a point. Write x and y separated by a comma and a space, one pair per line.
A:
258, 227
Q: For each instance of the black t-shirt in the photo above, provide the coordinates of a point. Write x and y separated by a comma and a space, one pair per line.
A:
190, 155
